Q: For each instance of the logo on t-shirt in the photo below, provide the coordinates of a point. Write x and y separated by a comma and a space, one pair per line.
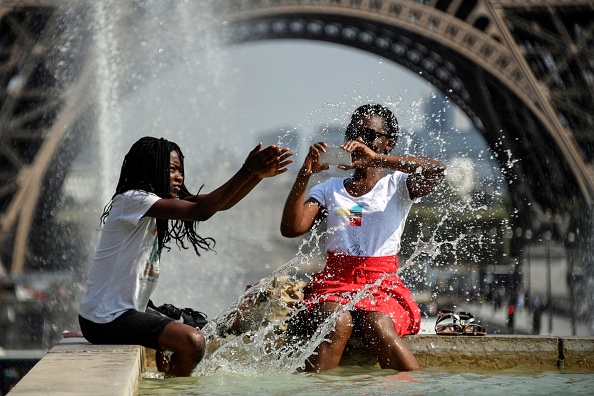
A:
151, 269
151, 272
356, 216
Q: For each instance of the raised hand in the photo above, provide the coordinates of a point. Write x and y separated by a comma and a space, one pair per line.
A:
362, 156
268, 162
279, 165
312, 162
259, 160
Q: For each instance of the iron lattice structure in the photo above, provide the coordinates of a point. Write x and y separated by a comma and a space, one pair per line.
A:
523, 71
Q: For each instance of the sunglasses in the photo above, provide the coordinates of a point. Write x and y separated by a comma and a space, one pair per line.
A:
367, 134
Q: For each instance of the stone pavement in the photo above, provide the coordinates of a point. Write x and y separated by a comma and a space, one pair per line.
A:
495, 321
523, 321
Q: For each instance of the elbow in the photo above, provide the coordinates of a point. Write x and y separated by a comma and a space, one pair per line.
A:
289, 232
204, 215
440, 171
440, 167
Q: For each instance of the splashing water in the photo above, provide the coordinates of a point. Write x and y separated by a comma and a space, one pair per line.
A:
265, 348
140, 78
172, 76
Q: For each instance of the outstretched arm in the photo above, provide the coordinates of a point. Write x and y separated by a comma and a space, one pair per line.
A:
424, 174
259, 163
299, 215
278, 165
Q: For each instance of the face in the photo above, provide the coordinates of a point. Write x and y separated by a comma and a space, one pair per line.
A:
372, 133
176, 177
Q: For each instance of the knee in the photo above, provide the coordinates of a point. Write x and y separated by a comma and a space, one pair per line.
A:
192, 345
196, 344
344, 325
378, 329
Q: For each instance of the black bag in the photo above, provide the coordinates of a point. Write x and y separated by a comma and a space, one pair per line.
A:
189, 316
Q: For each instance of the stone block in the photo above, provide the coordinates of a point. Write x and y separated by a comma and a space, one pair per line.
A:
578, 353
485, 352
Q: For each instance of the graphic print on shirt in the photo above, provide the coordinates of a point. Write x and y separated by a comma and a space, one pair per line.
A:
355, 220
151, 270
356, 217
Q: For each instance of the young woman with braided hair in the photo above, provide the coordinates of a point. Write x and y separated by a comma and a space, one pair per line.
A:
152, 206
365, 216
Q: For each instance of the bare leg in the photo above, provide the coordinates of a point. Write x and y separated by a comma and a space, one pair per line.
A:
379, 335
188, 347
329, 353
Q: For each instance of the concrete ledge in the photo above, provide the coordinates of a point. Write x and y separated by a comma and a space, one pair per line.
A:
75, 367
486, 353
492, 352
578, 353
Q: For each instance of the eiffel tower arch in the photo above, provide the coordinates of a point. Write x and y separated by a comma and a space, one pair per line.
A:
523, 71
44, 114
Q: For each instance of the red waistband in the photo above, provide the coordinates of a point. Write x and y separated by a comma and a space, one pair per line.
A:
380, 263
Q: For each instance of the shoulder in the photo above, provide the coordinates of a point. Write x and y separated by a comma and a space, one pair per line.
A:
135, 198
138, 196
398, 181
328, 185
398, 177
331, 182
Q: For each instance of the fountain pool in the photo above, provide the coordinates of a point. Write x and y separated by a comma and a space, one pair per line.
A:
364, 381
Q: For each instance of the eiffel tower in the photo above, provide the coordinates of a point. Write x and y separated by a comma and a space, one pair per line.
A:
523, 71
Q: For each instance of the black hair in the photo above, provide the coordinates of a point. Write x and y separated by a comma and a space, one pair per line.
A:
391, 127
146, 167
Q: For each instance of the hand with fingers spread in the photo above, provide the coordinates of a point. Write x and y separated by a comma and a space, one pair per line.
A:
260, 160
278, 165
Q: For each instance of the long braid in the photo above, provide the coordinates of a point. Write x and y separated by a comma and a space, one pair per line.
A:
181, 230
161, 172
146, 167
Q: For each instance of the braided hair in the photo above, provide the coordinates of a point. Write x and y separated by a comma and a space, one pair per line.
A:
390, 121
146, 168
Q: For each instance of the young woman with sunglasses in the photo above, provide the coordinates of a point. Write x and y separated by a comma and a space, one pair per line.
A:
365, 216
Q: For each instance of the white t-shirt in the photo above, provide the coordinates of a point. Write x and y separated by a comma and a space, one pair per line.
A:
369, 225
125, 269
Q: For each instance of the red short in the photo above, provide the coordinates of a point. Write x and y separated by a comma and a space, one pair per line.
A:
344, 276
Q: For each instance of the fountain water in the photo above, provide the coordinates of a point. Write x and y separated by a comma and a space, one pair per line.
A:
170, 77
